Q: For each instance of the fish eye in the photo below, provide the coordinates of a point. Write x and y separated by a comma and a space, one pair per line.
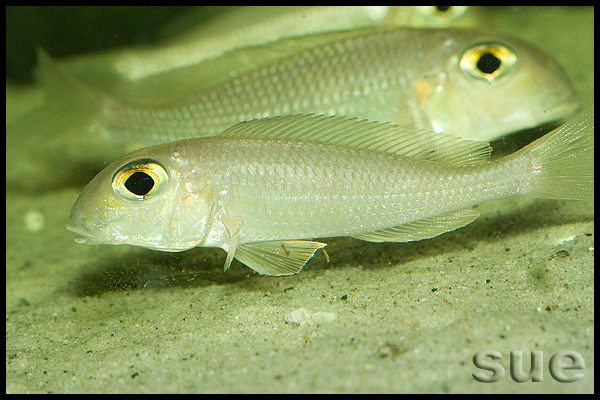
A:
488, 62
139, 179
442, 14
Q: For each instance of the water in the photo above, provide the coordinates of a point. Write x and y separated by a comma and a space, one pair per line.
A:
373, 317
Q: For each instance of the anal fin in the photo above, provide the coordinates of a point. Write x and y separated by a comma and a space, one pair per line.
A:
422, 229
277, 257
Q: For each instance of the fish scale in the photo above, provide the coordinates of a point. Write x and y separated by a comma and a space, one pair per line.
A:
405, 76
351, 184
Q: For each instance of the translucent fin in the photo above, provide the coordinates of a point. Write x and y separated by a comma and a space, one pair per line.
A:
233, 226
285, 257
63, 91
363, 134
563, 160
423, 229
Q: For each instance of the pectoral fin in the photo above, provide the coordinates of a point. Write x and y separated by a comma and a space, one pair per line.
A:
423, 229
284, 257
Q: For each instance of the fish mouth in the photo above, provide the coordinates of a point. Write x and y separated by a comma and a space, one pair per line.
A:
83, 235
569, 105
557, 112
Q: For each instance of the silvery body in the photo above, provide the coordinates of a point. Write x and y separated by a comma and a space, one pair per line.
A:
262, 188
461, 82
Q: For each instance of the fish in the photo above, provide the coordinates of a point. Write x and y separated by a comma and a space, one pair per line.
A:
206, 37
251, 26
456, 81
262, 190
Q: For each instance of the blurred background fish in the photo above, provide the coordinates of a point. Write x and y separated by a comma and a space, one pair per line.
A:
251, 26
460, 82
207, 33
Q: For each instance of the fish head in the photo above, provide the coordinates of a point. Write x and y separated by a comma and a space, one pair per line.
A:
490, 87
151, 198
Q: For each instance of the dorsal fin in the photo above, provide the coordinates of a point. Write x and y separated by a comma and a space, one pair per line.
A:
364, 134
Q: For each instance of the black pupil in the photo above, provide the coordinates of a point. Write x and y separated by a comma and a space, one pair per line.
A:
139, 183
488, 63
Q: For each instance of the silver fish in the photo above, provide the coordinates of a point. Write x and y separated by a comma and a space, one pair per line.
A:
261, 188
251, 26
460, 82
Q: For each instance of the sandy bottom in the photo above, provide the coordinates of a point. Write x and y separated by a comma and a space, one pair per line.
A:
375, 318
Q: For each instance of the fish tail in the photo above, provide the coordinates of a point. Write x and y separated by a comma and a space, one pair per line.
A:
68, 97
563, 160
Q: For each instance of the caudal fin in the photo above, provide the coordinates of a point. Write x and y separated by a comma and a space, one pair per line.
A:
563, 160
64, 93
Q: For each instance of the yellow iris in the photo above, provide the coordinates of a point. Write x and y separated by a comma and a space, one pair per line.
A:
489, 62
139, 179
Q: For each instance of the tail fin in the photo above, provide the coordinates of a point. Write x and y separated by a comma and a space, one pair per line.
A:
62, 90
563, 160
77, 103
56, 138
